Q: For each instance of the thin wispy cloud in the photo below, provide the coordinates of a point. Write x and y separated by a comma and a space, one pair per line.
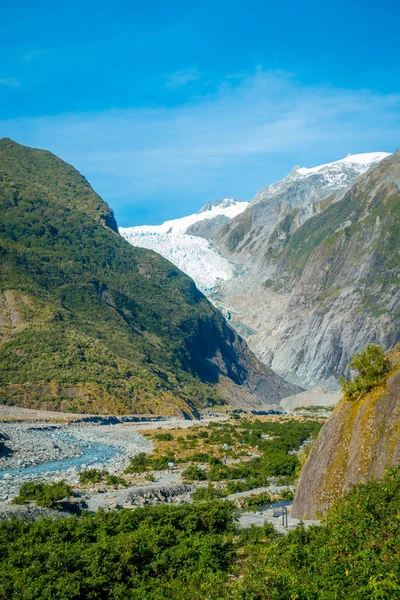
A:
32, 55
181, 78
232, 142
9, 81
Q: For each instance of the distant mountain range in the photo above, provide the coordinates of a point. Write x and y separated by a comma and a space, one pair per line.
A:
90, 324
311, 266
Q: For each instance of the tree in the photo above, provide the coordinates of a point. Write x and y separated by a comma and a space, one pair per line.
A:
371, 366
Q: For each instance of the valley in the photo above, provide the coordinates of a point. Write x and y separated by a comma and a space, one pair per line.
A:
313, 271
138, 430
199, 301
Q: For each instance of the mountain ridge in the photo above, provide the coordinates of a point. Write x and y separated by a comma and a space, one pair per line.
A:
90, 324
327, 288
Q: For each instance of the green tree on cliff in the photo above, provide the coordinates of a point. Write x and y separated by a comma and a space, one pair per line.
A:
371, 366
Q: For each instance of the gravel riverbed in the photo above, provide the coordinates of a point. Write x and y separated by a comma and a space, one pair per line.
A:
27, 446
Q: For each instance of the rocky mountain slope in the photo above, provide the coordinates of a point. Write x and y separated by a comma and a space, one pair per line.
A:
187, 242
313, 294
90, 324
295, 270
296, 196
357, 443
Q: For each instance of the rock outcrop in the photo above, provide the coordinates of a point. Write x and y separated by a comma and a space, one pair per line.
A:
30, 513
358, 442
172, 494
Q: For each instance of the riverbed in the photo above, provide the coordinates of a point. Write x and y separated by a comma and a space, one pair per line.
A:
48, 452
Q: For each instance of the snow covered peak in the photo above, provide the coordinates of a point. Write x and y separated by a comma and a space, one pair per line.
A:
361, 162
321, 180
225, 203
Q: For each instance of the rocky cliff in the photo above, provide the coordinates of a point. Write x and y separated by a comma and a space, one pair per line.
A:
357, 443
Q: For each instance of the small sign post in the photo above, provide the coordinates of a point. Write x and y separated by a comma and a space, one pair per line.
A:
284, 516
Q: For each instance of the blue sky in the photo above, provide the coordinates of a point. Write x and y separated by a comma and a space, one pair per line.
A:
170, 105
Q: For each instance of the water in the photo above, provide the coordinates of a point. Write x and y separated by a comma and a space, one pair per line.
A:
92, 453
277, 504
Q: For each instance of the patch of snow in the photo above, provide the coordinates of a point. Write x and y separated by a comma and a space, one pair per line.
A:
229, 208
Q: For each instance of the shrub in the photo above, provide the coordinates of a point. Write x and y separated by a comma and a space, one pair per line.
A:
206, 494
115, 480
161, 462
164, 437
254, 534
92, 476
138, 463
203, 457
254, 501
371, 366
194, 474
46, 495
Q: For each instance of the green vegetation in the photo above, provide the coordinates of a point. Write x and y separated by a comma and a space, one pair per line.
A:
206, 494
276, 443
270, 452
355, 556
153, 552
97, 476
138, 463
92, 476
255, 501
163, 437
98, 326
46, 495
370, 211
194, 473
371, 366
143, 462
196, 551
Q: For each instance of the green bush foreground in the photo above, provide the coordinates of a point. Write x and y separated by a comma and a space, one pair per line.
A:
196, 551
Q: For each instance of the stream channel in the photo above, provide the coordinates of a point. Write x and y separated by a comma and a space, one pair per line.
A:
92, 453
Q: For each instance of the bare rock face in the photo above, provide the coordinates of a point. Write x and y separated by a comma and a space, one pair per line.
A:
208, 228
313, 292
356, 444
316, 397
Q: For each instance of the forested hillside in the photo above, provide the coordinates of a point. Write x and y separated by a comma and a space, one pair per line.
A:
90, 324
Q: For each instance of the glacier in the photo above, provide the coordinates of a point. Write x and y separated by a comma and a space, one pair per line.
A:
202, 261
194, 255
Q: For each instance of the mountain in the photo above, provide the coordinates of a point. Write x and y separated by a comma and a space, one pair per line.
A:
187, 242
301, 315
332, 286
314, 290
300, 191
90, 324
359, 441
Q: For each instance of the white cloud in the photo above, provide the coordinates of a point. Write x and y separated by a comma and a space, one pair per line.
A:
181, 78
232, 142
